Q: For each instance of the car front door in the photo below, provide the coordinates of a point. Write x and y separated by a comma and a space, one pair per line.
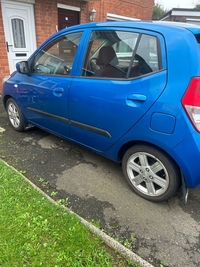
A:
103, 107
45, 91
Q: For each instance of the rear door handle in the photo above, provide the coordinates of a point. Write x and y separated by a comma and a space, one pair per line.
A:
137, 97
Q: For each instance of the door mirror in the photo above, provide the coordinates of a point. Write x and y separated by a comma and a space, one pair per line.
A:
23, 67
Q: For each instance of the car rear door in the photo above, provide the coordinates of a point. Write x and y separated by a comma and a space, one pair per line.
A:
103, 109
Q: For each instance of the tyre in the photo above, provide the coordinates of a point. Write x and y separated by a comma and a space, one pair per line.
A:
15, 115
151, 173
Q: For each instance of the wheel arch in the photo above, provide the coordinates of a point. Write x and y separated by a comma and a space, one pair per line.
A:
5, 99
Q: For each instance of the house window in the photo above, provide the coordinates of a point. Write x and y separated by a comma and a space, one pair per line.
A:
18, 33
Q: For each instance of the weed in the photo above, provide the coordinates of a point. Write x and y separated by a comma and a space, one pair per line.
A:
96, 223
53, 193
127, 244
133, 239
63, 202
41, 180
22, 172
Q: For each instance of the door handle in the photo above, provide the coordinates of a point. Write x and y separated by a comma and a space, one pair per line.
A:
58, 91
137, 97
7, 46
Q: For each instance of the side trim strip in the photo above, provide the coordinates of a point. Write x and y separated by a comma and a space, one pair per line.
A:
90, 128
83, 126
58, 118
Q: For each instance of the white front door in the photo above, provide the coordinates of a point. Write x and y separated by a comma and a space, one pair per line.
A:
19, 27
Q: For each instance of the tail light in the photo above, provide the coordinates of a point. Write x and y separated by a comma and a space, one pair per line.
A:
191, 102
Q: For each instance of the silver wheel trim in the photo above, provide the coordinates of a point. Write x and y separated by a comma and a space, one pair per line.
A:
147, 174
13, 115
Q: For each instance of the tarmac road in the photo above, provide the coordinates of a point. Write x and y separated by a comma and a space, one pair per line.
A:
166, 233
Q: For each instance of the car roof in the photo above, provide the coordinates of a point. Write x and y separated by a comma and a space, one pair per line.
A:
159, 26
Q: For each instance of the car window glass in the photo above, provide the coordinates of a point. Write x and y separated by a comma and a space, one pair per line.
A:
109, 54
146, 56
120, 54
58, 56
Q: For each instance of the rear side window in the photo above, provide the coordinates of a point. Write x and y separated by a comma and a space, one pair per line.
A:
120, 54
148, 50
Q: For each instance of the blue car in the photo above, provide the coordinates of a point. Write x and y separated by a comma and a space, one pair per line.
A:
129, 91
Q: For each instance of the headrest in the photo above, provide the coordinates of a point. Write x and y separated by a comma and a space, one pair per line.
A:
107, 56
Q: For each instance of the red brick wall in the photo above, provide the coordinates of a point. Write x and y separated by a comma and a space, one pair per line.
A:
129, 8
46, 18
4, 69
45, 15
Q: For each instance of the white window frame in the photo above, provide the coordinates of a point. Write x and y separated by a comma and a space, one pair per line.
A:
116, 17
73, 8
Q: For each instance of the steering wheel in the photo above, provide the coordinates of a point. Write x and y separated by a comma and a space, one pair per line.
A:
93, 64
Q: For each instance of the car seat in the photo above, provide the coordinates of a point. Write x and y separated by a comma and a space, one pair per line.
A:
107, 61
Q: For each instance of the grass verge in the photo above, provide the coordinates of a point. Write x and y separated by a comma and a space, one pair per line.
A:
35, 232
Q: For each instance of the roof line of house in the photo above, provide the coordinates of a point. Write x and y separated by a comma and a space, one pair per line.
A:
181, 12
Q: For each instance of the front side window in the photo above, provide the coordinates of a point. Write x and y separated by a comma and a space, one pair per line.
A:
120, 54
57, 57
